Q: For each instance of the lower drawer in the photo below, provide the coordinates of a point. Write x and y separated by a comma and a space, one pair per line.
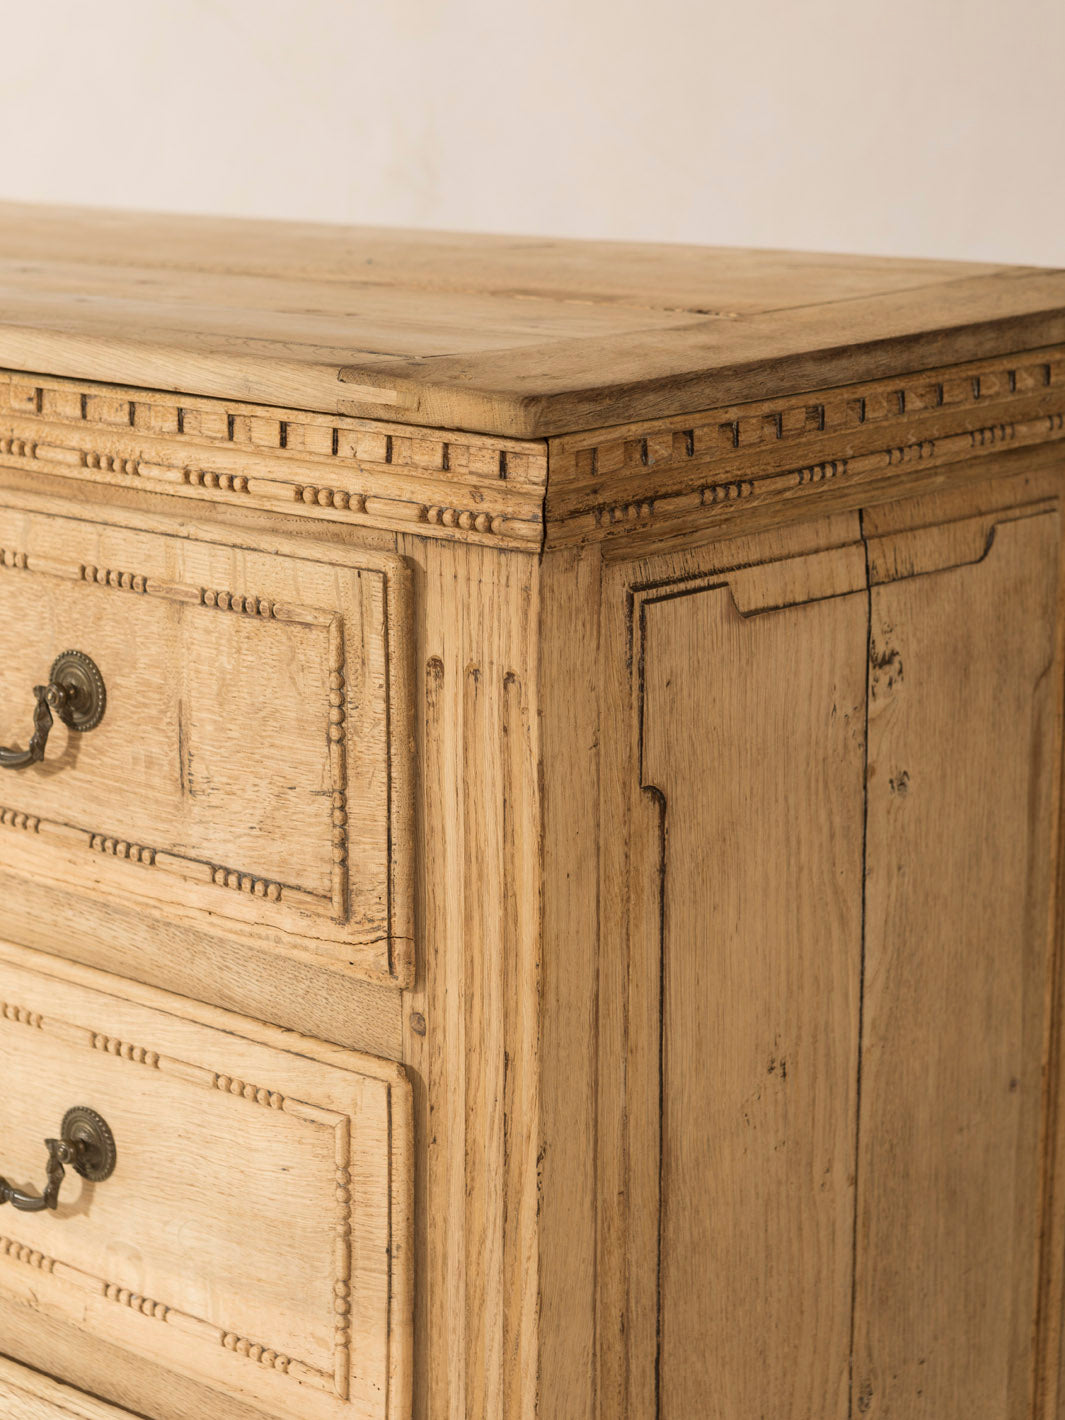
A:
254, 1234
26, 1395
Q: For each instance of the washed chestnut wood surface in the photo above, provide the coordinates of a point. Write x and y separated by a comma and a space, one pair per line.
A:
964, 665
27, 1395
761, 980
252, 760
562, 909
507, 335
257, 1236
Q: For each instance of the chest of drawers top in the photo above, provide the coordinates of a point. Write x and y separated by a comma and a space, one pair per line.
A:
517, 337
455, 385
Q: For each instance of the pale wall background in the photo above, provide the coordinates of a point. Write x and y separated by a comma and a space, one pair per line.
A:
921, 127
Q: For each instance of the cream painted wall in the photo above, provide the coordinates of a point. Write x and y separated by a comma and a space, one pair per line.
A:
925, 127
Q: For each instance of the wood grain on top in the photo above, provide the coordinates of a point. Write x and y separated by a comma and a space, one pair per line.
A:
517, 336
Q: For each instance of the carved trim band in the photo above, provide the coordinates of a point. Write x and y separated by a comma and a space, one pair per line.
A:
318, 466
750, 452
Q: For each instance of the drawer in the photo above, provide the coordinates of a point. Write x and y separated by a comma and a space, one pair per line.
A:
254, 1234
251, 769
27, 1395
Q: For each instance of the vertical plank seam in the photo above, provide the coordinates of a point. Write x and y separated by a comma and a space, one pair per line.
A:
391, 650
1047, 1349
861, 967
661, 804
597, 973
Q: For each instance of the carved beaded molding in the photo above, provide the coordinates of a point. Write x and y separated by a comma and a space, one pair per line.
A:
336, 1383
748, 452
438, 484
491, 490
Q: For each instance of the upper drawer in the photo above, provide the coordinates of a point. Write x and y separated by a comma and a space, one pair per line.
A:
252, 763
254, 1231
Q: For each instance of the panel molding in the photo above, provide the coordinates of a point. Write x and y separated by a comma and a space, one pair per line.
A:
201, 870
74, 1033
344, 898
359, 1104
754, 589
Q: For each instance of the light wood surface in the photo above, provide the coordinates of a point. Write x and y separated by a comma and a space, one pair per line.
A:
249, 761
964, 694
936, 1013
570, 682
27, 1395
256, 1231
760, 784
238, 457
698, 616
650, 480
474, 1018
505, 335
635, 485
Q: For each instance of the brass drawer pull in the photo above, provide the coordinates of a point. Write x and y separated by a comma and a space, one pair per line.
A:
75, 691
85, 1143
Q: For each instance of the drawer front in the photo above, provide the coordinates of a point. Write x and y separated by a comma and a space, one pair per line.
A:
255, 1233
251, 767
27, 1395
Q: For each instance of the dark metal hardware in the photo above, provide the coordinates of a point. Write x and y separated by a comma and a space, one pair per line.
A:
75, 691
85, 1143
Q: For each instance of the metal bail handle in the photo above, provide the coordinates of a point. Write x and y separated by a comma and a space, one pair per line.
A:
77, 694
85, 1143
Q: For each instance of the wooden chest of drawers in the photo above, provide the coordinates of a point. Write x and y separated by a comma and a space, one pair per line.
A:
553, 894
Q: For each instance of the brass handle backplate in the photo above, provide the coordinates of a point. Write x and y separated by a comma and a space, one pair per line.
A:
85, 1143
75, 691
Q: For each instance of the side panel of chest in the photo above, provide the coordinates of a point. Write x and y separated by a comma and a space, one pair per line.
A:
832, 1001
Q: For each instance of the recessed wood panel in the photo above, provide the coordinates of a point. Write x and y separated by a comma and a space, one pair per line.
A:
251, 765
753, 736
255, 1235
964, 685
